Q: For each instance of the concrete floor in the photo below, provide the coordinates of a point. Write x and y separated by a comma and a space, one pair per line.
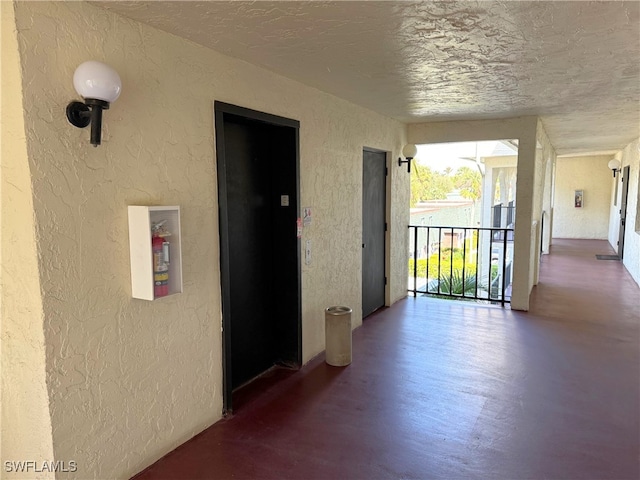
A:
445, 389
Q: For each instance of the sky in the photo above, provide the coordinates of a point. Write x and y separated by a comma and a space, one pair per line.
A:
439, 156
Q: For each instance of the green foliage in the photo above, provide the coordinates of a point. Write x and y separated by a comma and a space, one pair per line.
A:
494, 272
427, 184
445, 265
450, 272
455, 284
469, 182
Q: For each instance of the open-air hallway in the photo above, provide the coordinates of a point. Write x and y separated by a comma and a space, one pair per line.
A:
444, 389
92, 375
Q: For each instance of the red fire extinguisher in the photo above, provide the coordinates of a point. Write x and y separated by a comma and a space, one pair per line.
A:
160, 250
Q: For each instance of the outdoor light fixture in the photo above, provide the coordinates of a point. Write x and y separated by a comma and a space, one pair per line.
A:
615, 166
99, 85
409, 152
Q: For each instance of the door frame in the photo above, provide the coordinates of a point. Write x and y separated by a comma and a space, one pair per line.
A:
625, 173
387, 218
220, 110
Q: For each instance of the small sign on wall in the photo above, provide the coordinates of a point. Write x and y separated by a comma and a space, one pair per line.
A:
306, 217
579, 199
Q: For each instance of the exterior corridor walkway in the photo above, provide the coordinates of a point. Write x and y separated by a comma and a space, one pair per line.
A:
444, 389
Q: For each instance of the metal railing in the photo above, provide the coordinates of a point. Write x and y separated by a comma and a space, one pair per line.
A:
497, 216
461, 262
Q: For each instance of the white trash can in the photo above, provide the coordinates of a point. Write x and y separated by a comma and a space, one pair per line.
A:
337, 335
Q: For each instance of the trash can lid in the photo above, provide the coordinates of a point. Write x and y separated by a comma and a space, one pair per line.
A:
337, 310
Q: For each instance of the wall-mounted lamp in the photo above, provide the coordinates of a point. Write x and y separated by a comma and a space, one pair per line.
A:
409, 152
615, 166
99, 85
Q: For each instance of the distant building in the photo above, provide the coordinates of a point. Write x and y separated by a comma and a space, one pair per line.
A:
455, 211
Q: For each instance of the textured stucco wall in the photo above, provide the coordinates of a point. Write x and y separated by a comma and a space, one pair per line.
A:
525, 228
398, 201
129, 380
629, 156
591, 175
614, 207
545, 158
547, 203
24, 420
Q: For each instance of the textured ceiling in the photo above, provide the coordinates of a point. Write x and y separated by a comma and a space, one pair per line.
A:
575, 64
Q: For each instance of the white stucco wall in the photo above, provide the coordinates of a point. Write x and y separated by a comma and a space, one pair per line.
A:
614, 206
547, 204
629, 156
128, 380
545, 160
591, 175
524, 257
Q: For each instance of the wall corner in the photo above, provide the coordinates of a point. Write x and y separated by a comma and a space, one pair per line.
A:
25, 417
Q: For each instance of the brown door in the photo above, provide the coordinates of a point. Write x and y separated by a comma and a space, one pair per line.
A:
373, 230
257, 159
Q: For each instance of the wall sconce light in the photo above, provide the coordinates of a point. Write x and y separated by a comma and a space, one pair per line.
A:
99, 85
615, 166
409, 152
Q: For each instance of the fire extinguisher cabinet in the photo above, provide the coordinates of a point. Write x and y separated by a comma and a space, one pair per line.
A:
145, 256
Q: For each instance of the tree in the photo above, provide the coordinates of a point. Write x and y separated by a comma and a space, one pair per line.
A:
427, 184
469, 182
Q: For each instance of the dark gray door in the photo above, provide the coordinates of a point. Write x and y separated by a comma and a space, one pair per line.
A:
373, 230
259, 249
623, 210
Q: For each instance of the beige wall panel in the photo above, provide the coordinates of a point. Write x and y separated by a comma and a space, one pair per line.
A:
629, 156
128, 379
593, 177
25, 422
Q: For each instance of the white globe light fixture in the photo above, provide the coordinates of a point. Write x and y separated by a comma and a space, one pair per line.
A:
615, 166
99, 85
409, 152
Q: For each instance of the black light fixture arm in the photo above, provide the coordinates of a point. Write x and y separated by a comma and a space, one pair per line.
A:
615, 166
407, 161
82, 114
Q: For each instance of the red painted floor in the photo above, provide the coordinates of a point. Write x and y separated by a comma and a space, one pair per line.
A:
444, 389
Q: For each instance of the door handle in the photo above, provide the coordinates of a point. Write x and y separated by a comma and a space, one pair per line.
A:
364, 245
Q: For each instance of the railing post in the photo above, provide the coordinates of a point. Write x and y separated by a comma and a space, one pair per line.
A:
510, 213
464, 260
504, 264
451, 264
439, 256
497, 215
426, 273
490, 260
415, 262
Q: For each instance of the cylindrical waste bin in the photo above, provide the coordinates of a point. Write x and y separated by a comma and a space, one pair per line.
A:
337, 335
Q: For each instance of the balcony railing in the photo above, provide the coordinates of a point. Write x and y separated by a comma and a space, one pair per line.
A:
506, 219
461, 262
